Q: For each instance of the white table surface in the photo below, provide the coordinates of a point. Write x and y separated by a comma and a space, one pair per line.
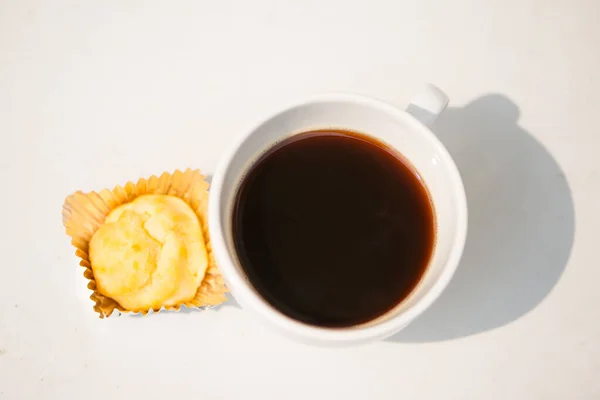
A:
96, 93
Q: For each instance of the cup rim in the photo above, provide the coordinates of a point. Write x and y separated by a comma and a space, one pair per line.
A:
250, 300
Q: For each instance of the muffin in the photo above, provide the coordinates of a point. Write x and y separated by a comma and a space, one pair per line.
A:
146, 246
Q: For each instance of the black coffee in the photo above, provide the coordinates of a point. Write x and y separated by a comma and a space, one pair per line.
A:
333, 228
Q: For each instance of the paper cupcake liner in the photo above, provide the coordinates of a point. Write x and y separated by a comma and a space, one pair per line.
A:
84, 213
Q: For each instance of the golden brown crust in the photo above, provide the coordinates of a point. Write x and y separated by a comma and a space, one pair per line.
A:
84, 213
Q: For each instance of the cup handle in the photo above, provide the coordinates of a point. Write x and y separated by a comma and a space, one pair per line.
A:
428, 104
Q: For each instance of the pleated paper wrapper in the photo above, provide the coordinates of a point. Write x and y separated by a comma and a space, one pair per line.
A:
84, 213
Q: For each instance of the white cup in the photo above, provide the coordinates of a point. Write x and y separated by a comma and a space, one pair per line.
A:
407, 132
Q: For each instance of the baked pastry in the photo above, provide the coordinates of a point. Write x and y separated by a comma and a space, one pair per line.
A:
149, 253
145, 246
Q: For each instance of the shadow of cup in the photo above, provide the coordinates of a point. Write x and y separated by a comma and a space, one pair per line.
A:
521, 223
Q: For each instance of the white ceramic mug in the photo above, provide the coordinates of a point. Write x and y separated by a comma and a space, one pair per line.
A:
407, 132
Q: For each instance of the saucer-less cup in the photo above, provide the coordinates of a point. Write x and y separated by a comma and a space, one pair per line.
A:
406, 131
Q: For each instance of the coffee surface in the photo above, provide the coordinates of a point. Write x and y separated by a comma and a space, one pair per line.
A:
333, 228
